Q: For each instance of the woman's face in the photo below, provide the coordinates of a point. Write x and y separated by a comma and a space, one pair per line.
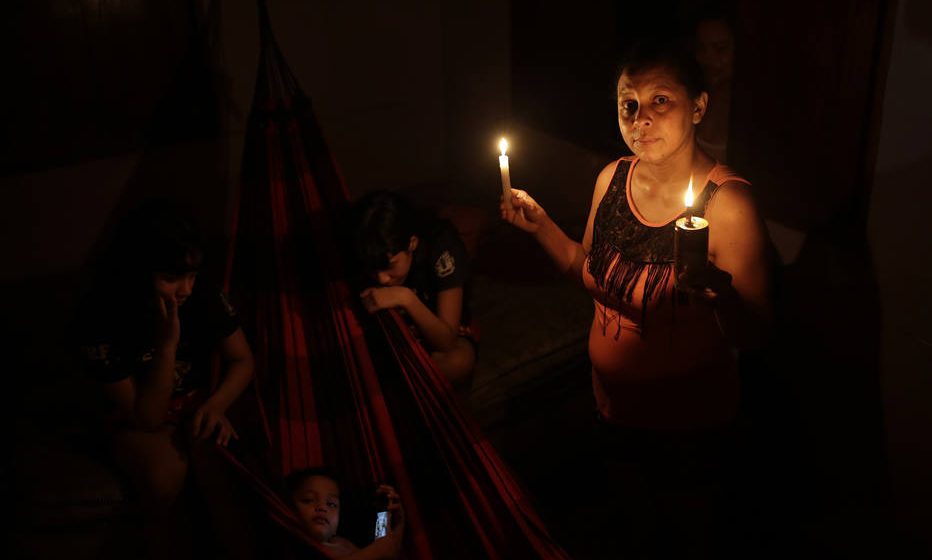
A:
318, 503
656, 115
715, 51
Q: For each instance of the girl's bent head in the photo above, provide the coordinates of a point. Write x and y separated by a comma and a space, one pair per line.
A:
157, 247
384, 226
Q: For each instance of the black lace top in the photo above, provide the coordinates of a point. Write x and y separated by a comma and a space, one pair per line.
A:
624, 248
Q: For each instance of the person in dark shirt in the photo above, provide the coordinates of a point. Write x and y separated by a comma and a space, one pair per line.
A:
714, 49
148, 333
420, 266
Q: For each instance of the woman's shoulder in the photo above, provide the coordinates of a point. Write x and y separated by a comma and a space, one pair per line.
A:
609, 173
615, 165
730, 190
721, 174
731, 201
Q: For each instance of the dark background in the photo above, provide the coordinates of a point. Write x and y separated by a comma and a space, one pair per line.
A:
106, 102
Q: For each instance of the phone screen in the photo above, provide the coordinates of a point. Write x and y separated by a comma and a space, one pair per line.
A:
381, 524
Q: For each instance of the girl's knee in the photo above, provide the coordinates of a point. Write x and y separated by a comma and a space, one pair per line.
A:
457, 364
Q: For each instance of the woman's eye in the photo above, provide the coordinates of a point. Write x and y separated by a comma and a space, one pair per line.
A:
629, 106
332, 505
661, 100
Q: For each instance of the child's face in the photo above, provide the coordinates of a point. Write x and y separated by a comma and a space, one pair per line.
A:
173, 286
399, 265
318, 503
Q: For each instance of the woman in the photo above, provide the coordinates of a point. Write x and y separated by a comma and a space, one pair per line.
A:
149, 330
663, 365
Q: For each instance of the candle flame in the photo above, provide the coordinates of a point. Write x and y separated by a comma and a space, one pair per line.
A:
689, 193
503, 146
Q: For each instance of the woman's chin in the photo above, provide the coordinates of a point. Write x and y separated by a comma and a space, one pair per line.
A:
648, 156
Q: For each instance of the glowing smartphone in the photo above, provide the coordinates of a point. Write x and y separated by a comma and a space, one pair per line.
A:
381, 524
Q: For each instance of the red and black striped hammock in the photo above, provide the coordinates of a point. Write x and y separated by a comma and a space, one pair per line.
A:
338, 387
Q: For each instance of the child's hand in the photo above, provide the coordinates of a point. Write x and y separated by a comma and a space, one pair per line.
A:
394, 507
524, 213
390, 546
209, 419
390, 297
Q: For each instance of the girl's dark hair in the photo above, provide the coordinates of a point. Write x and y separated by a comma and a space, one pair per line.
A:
158, 236
671, 54
296, 478
383, 223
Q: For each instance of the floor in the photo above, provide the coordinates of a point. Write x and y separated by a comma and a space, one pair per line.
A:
542, 435
778, 509
541, 431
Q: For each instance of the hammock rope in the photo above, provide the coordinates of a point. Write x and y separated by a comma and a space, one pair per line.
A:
333, 384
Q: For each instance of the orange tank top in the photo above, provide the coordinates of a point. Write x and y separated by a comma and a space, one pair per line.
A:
659, 360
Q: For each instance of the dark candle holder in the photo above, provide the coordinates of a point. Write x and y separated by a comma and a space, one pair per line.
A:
690, 247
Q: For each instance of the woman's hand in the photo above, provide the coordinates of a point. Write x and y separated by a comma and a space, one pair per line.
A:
524, 213
168, 329
211, 418
710, 284
389, 297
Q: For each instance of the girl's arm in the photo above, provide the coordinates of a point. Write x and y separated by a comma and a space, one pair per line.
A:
439, 330
144, 401
237, 356
211, 418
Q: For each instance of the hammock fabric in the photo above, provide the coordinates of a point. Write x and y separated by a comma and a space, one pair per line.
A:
337, 386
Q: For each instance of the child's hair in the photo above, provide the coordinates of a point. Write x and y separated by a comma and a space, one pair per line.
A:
383, 223
296, 478
716, 10
159, 235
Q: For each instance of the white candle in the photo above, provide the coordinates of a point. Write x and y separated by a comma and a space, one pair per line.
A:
688, 199
506, 175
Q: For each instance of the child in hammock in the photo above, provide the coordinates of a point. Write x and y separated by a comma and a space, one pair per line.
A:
315, 496
420, 266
